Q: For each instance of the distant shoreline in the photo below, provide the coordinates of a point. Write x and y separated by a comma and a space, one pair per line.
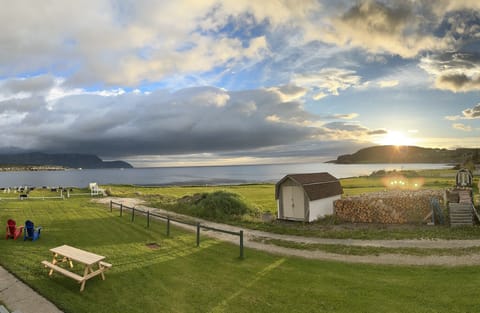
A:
30, 168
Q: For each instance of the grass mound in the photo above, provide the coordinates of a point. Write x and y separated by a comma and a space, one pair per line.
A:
219, 205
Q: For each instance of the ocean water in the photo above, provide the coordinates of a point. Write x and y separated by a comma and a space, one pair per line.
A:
207, 175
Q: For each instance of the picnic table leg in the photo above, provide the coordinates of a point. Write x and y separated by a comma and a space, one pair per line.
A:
54, 261
102, 269
85, 273
65, 259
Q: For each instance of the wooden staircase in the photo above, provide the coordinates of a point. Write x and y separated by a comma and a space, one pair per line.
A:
461, 214
465, 196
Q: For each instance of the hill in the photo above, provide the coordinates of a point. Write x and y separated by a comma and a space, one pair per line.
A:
408, 154
71, 160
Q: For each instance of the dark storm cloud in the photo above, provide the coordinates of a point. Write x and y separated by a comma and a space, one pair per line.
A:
189, 121
309, 149
192, 120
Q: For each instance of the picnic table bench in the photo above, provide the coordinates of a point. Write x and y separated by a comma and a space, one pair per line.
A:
65, 253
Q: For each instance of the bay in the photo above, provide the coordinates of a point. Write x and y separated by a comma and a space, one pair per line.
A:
205, 175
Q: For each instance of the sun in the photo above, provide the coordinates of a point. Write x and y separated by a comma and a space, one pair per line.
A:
396, 138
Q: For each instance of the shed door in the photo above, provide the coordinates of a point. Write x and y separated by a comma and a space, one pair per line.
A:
293, 202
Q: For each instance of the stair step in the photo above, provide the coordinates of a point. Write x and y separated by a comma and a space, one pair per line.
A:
461, 214
469, 215
460, 206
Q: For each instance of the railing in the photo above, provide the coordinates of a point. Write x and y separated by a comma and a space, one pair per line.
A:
169, 219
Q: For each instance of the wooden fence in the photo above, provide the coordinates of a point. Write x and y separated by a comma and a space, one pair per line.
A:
169, 219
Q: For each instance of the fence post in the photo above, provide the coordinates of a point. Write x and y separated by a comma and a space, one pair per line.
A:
133, 213
111, 206
121, 209
148, 219
241, 244
168, 226
198, 234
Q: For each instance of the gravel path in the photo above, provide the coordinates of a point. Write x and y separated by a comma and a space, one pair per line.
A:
393, 259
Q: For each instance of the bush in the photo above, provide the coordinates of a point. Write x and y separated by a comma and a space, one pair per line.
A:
219, 205
379, 173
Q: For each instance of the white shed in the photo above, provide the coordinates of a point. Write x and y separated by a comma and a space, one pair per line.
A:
306, 197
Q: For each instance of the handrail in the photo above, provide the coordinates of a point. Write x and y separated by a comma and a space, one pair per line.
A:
475, 212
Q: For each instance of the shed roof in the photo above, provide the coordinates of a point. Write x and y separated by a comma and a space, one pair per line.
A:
316, 185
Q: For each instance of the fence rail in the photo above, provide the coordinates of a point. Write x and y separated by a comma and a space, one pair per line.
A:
169, 219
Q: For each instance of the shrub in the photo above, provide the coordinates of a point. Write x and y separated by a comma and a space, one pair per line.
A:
379, 173
219, 205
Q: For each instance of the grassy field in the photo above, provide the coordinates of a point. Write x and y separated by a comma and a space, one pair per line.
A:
262, 198
179, 277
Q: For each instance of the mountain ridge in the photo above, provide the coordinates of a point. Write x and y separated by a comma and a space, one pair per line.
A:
70, 160
408, 154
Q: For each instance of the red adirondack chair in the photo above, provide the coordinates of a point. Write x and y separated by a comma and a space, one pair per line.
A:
12, 230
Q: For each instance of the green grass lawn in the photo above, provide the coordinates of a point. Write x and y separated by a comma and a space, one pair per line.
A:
179, 277
262, 197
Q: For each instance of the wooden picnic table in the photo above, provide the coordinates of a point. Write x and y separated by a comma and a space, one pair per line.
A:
94, 264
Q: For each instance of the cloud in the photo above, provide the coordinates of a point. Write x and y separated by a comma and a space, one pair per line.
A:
458, 82
349, 116
319, 96
457, 72
289, 92
393, 27
190, 121
467, 114
472, 113
33, 85
377, 132
329, 80
345, 126
387, 83
462, 127
349, 131
120, 42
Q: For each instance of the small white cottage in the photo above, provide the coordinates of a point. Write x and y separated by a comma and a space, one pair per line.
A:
306, 197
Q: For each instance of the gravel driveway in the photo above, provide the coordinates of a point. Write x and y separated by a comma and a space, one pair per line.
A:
392, 259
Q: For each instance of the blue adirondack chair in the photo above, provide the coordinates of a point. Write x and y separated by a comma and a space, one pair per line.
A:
30, 231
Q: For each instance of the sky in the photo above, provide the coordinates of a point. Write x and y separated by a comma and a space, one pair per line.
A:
181, 83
